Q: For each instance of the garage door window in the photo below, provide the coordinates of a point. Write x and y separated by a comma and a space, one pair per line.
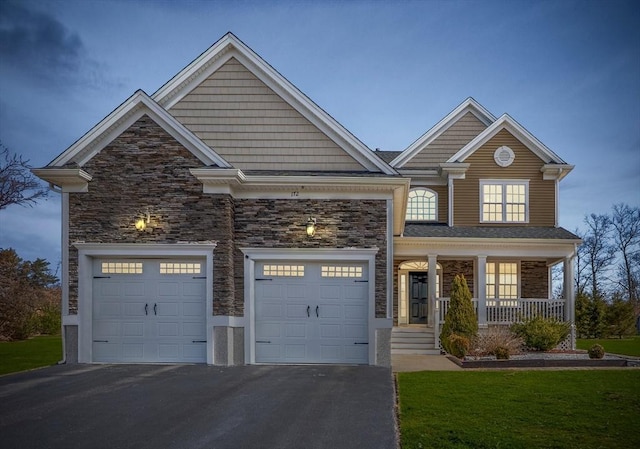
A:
337, 271
180, 268
121, 268
283, 270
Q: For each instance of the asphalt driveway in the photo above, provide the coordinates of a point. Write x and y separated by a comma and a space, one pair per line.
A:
196, 406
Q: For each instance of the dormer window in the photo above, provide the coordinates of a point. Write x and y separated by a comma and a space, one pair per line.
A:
423, 205
504, 201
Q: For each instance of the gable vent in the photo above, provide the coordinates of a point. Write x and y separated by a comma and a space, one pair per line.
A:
504, 156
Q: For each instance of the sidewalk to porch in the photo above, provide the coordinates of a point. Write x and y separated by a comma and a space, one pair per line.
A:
415, 362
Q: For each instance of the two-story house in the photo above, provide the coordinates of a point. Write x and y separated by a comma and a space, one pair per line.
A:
228, 219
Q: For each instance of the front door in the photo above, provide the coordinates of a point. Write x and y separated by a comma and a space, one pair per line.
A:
418, 298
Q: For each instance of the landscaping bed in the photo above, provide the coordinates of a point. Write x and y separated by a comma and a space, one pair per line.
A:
538, 359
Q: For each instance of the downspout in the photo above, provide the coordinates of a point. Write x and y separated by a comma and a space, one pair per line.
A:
65, 266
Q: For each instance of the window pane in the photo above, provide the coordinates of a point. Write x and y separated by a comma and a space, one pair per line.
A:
504, 202
422, 205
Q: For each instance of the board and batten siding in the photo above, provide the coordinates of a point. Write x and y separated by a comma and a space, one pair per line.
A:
448, 143
526, 166
253, 128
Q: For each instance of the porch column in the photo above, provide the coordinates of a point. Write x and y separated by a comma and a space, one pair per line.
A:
570, 297
481, 290
432, 259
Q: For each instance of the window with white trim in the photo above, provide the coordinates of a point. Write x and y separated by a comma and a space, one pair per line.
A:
504, 201
502, 280
283, 270
180, 268
422, 205
121, 268
339, 271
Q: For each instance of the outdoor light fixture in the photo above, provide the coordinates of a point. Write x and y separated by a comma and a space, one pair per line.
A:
311, 227
142, 222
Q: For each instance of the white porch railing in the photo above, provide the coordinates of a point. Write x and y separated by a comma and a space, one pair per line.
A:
508, 311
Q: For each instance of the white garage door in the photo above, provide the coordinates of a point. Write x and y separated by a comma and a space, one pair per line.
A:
311, 313
149, 311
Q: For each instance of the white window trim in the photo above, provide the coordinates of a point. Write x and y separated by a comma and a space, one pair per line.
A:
504, 182
435, 199
518, 275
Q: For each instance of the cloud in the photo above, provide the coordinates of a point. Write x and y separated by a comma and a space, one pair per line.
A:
38, 47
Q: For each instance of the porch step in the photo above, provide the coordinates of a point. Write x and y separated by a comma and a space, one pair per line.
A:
411, 340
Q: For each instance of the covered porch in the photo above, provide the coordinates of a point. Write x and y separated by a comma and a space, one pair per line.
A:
510, 280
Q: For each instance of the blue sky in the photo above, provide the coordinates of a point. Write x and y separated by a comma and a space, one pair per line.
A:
568, 71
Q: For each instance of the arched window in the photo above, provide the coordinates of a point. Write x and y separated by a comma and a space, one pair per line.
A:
423, 205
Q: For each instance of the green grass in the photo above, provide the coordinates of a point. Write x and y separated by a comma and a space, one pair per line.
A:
520, 409
623, 346
28, 354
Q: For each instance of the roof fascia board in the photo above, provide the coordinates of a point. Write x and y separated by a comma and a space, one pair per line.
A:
231, 46
519, 132
469, 105
555, 171
236, 176
68, 179
122, 118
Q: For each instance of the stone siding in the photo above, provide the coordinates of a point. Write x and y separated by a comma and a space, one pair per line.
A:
450, 268
276, 223
534, 281
146, 169
143, 169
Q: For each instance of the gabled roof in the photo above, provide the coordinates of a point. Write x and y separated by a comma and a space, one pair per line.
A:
229, 46
508, 123
122, 118
469, 105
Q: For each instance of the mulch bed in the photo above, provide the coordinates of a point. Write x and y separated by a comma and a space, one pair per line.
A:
553, 359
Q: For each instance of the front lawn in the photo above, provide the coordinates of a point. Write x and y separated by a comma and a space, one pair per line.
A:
28, 354
520, 409
622, 346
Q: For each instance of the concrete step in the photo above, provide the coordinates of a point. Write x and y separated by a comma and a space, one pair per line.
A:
416, 351
413, 340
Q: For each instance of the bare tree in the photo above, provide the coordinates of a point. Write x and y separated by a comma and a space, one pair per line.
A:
626, 239
581, 266
598, 251
17, 184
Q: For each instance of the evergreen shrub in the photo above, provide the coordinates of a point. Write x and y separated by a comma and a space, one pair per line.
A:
460, 323
541, 334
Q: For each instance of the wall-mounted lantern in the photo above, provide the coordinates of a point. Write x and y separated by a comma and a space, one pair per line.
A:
311, 227
142, 223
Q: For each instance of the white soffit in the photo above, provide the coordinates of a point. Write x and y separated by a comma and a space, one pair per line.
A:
122, 118
469, 105
230, 46
518, 131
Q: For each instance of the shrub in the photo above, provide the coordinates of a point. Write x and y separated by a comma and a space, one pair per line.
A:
541, 334
596, 352
458, 345
460, 320
502, 353
496, 340
620, 317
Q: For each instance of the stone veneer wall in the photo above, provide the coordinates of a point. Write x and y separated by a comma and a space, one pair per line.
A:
145, 168
277, 223
450, 268
534, 279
